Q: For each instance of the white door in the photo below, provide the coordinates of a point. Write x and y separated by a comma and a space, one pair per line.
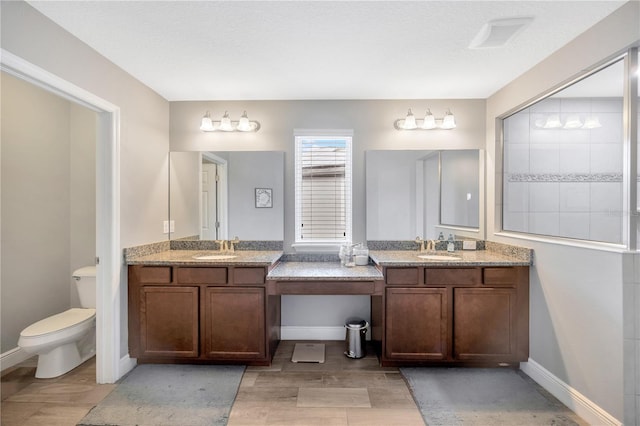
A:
209, 217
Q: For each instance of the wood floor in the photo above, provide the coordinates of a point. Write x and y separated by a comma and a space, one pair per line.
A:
62, 401
341, 391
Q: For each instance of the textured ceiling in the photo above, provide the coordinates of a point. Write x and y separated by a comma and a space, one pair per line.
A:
223, 50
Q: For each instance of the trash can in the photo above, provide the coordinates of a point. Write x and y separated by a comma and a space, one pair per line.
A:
356, 337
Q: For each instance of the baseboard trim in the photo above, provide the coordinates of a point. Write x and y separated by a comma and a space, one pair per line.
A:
312, 333
13, 357
569, 396
125, 365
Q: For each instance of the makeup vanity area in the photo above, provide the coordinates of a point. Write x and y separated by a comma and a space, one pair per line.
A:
190, 302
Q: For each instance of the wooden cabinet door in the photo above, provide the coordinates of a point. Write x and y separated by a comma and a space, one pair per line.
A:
484, 325
234, 323
416, 323
169, 318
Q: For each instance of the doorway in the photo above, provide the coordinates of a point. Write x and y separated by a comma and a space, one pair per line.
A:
109, 365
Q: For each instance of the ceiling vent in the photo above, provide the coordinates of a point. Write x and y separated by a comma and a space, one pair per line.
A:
499, 32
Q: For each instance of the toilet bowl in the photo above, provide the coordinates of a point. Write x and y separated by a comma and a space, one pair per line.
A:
65, 340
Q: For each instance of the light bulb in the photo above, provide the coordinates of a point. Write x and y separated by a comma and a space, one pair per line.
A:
244, 125
553, 122
449, 121
429, 121
592, 123
410, 121
573, 122
206, 124
225, 123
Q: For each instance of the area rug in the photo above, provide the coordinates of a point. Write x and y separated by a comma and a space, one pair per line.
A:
185, 395
484, 396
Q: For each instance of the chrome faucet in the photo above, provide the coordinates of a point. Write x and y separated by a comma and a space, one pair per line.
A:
232, 243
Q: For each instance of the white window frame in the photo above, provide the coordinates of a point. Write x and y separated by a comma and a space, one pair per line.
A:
323, 245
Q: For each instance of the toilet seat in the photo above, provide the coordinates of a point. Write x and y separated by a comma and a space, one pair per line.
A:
56, 323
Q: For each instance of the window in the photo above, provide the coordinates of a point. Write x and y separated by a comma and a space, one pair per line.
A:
323, 189
564, 162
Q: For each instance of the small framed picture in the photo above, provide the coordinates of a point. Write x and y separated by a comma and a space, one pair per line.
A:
264, 198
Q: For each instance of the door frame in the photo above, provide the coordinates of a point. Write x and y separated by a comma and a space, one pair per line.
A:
222, 193
109, 366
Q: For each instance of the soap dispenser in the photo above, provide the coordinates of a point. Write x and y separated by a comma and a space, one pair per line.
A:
451, 245
441, 236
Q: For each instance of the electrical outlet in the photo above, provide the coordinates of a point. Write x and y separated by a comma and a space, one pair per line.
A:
165, 227
172, 226
468, 245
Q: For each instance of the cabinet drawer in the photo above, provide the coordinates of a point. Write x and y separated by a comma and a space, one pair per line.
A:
402, 276
202, 275
248, 275
154, 274
500, 276
457, 276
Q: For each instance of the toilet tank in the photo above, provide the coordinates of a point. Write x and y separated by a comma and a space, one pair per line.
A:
85, 278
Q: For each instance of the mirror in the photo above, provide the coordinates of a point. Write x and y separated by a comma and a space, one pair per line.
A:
224, 194
414, 193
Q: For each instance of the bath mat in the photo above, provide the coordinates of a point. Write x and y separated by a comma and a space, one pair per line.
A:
308, 352
163, 394
484, 396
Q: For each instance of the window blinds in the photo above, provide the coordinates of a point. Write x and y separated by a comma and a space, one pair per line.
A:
323, 189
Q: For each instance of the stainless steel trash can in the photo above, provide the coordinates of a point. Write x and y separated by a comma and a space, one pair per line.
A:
356, 331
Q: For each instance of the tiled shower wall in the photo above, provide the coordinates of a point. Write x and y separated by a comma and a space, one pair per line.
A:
565, 182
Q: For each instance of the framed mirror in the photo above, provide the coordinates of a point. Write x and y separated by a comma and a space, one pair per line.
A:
413, 193
226, 194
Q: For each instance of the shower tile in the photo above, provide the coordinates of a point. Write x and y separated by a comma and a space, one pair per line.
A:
575, 197
574, 158
575, 105
517, 159
606, 197
606, 158
544, 197
574, 225
544, 158
607, 104
611, 131
606, 227
517, 197
544, 223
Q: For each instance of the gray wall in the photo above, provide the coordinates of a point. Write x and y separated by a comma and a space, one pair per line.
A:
576, 292
372, 124
247, 171
144, 122
48, 203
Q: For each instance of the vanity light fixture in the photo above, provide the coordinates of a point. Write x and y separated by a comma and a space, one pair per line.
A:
227, 125
429, 122
573, 122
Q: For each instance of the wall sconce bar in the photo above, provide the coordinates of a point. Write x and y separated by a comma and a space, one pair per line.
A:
429, 122
226, 125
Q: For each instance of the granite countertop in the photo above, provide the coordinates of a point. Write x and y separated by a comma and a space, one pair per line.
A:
186, 258
316, 271
465, 258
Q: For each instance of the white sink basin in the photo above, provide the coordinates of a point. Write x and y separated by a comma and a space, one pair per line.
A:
437, 257
214, 256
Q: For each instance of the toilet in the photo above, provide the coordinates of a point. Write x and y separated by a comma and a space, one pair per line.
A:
65, 340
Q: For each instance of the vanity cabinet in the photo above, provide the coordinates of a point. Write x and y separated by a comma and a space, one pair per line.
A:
204, 314
416, 326
177, 338
455, 315
234, 323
